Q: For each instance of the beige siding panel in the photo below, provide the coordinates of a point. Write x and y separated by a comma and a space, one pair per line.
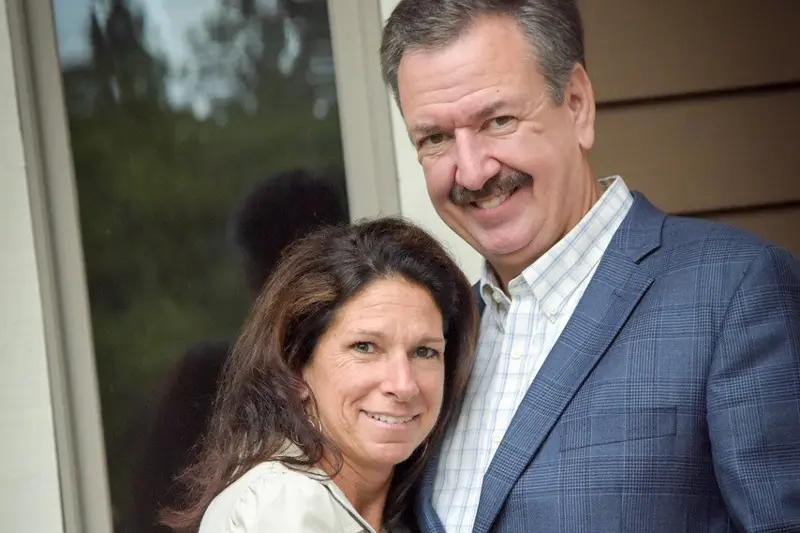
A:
638, 49
706, 154
780, 226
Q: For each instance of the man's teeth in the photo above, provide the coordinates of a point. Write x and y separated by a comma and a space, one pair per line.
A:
391, 419
494, 201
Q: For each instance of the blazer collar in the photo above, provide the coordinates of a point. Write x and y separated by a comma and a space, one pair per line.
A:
640, 231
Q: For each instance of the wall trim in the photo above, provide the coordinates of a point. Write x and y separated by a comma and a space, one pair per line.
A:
372, 186
68, 335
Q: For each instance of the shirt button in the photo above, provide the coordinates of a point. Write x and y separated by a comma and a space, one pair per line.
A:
516, 355
497, 437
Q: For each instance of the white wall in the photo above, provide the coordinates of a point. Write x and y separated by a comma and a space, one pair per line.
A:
414, 201
29, 482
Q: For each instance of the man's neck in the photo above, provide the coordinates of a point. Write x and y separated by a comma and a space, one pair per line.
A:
506, 272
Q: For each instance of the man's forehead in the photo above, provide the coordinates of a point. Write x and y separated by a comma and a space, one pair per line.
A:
473, 84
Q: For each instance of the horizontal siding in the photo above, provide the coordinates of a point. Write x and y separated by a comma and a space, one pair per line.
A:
705, 154
641, 49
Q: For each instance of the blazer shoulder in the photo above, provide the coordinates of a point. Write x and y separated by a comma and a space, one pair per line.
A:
271, 496
682, 231
701, 252
688, 240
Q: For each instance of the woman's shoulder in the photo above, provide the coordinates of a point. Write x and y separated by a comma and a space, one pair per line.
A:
271, 495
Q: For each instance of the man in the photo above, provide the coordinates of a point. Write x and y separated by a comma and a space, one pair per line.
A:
636, 371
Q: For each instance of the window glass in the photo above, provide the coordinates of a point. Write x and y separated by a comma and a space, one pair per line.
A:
204, 135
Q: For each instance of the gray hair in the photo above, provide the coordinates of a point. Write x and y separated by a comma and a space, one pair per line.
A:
553, 28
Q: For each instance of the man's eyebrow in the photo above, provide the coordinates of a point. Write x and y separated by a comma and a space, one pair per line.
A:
424, 130
488, 111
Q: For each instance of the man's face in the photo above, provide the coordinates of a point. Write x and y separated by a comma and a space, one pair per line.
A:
504, 167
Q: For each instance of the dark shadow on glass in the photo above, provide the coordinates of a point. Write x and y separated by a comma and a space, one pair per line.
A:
276, 212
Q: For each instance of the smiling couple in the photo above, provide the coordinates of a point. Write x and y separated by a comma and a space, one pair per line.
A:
633, 371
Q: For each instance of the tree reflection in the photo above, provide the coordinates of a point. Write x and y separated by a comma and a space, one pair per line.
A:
244, 47
157, 179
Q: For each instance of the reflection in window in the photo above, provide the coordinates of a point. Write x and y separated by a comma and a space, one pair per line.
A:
205, 134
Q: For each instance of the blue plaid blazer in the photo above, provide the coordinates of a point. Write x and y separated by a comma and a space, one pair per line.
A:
671, 401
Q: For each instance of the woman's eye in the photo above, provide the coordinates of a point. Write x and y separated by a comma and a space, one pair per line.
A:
426, 353
364, 347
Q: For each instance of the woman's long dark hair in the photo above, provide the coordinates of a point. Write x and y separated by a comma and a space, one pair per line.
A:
260, 402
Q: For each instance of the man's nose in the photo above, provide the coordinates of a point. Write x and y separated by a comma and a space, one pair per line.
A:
399, 380
473, 166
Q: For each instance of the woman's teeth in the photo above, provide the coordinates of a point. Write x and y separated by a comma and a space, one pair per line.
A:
391, 419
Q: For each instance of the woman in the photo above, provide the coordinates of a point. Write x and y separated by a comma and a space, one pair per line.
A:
351, 363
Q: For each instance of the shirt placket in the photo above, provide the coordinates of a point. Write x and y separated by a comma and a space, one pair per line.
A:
511, 362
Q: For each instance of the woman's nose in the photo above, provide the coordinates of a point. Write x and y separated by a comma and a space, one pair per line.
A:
399, 380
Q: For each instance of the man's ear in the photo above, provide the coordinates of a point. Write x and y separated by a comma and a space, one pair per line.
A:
579, 96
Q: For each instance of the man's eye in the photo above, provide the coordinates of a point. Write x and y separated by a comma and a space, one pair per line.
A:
501, 121
364, 347
426, 353
436, 138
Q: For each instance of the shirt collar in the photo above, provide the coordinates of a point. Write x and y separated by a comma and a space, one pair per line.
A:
292, 450
553, 277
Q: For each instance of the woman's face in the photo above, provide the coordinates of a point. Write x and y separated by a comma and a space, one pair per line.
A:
377, 373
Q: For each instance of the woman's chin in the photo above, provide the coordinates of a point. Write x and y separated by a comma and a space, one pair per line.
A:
389, 455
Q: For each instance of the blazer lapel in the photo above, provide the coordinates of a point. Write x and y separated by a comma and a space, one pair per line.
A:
429, 521
616, 288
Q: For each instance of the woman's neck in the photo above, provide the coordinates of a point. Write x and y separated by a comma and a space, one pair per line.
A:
366, 489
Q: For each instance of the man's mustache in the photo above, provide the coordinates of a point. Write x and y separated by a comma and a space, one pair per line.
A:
503, 182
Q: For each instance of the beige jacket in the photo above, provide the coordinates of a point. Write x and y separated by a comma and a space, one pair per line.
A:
272, 497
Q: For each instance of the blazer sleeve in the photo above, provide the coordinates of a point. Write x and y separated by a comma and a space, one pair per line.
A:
753, 397
277, 501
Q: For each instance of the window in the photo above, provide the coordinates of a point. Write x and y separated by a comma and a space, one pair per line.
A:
189, 120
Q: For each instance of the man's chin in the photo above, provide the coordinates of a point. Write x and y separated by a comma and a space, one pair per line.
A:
502, 247
493, 242
509, 258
